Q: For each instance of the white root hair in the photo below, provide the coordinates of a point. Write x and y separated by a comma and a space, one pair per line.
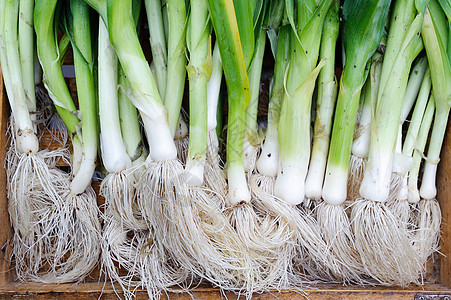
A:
215, 177
312, 254
427, 236
189, 223
77, 246
182, 146
55, 234
34, 193
337, 233
63, 244
143, 259
120, 198
250, 155
384, 246
398, 206
285, 233
357, 166
204, 241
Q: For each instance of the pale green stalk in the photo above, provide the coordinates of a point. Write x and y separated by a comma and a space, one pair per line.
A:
413, 86
361, 142
86, 91
254, 72
417, 115
325, 104
26, 49
401, 163
404, 149
144, 93
114, 156
26, 139
361, 36
268, 161
387, 116
228, 37
199, 70
176, 60
417, 151
157, 42
131, 131
214, 88
439, 61
401, 18
294, 123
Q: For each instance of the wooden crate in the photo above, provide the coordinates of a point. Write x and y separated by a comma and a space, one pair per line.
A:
92, 288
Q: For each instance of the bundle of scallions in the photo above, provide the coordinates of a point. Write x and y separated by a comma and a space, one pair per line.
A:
320, 183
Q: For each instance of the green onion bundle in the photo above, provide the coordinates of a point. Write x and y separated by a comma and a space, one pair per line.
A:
328, 189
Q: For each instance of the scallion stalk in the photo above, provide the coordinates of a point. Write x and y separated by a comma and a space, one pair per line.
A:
441, 89
199, 70
26, 50
401, 265
226, 28
360, 42
325, 103
114, 155
144, 93
268, 161
294, 123
84, 73
157, 42
361, 142
128, 116
176, 72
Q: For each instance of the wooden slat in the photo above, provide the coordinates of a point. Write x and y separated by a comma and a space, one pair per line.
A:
5, 228
98, 290
444, 197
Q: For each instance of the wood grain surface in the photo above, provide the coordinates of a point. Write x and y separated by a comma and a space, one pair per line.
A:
444, 198
5, 227
100, 291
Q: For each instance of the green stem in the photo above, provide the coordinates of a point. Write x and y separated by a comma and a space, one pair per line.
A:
157, 42
325, 103
144, 93
26, 139
254, 73
86, 91
226, 28
131, 132
176, 72
362, 34
26, 49
417, 115
420, 144
244, 18
51, 63
199, 70
401, 18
